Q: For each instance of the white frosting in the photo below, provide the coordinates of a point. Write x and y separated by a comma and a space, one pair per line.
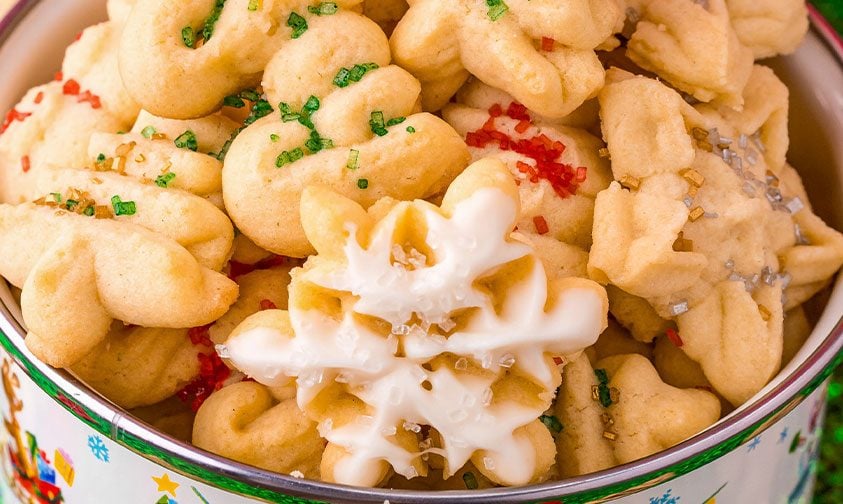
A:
450, 313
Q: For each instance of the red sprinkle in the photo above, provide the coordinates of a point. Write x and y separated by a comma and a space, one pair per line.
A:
557, 360
212, 374
12, 116
267, 304
517, 111
71, 87
674, 338
25, 164
496, 110
522, 126
79, 36
39, 97
565, 179
541, 225
548, 44
201, 335
94, 100
59, 76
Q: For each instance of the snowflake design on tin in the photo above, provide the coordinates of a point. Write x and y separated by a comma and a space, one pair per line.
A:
754, 444
667, 498
98, 448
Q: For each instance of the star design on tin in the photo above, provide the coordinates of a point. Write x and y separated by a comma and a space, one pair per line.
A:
165, 484
783, 436
754, 444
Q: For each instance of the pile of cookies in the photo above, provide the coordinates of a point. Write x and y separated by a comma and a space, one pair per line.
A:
436, 244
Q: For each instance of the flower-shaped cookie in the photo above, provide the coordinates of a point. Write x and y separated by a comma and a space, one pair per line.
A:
713, 227
247, 422
79, 273
172, 153
181, 58
347, 121
620, 411
414, 332
541, 52
691, 45
769, 27
558, 168
140, 366
52, 124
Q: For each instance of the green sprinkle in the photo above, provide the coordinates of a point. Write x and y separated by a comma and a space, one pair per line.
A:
411, 130
470, 481
395, 120
250, 94
233, 101
71, 204
211, 21
260, 109
341, 79
497, 8
376, 123
323, 9
835, 389
148, 132
316, 143
287, 113
188, 36
353, 159
89, 211
254, 4
602, 376
288, 157
312, 104
298, 24
604, 395
358, 71
100, 158
123, 207
187, 140
56, 196
552, 423
274, 137
164, 180
362, 183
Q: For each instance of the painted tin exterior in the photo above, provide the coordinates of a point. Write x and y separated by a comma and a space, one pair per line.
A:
65, 444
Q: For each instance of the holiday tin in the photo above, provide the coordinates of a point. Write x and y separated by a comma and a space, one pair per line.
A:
64, 443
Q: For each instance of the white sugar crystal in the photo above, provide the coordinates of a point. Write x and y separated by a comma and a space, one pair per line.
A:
222, 351
794, 205
297, 474
457, 415
488, 463
412, 427
678, 308
506, 361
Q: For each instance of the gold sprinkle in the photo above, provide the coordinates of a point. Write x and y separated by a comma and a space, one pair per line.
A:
683, 245
699, 133
692, 176
611, 436
696, 213
102, 212
158, 136
705, 145
614, 395
125, 148
104, 165
607, 419
692, 191
630, 182
96, 180
140, 158
604, 153
595, 392
765, 313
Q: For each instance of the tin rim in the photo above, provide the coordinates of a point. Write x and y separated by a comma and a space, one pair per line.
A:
110, 420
